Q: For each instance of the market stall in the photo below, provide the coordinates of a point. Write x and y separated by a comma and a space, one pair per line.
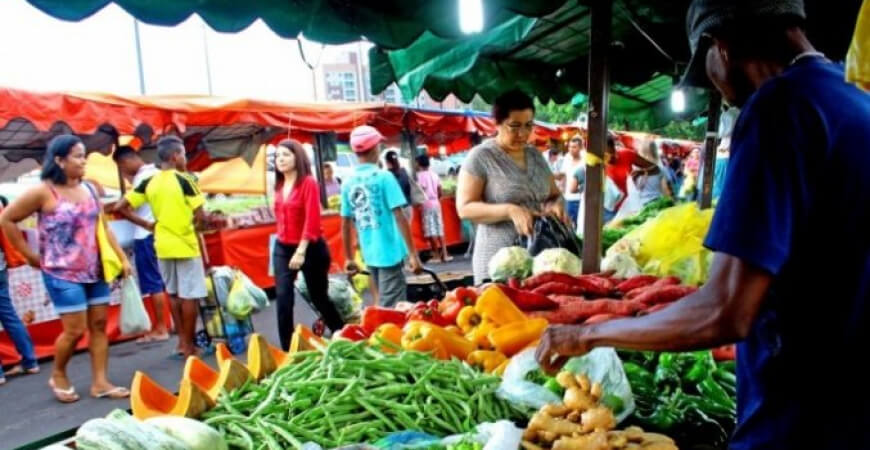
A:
248, 248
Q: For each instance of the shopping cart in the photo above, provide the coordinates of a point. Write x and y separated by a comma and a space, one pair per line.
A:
218, 323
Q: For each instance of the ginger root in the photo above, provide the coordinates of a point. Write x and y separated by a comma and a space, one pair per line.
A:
594, 441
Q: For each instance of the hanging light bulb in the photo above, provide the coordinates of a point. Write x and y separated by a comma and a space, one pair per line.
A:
678, 100
470, 16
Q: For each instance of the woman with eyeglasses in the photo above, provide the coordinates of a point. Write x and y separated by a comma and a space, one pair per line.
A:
504, 182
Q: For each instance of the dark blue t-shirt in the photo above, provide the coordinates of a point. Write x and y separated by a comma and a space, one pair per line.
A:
796, 203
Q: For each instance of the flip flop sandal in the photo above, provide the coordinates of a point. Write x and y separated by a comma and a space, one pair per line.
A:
144, 339
19, 370
64, 395
115, 393
160, 338
2, 381
177, 356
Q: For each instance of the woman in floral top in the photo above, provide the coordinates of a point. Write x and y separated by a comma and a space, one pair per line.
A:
69, 257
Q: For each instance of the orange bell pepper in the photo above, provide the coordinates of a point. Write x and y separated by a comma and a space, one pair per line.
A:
496, 306
510, 339
486, 360
426, 337
388, 332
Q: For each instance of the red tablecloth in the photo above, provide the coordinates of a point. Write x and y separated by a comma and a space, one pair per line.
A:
248, 248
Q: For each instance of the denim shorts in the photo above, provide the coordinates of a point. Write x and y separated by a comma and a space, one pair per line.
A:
71, 297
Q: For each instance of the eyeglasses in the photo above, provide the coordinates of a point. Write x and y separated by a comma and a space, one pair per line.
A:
517, 128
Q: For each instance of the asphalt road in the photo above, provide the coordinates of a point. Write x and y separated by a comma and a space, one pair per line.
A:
30, 412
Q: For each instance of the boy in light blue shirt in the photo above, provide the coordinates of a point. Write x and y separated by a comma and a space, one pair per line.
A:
371, 203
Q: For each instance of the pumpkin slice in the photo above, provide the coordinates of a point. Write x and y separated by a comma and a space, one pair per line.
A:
304, 339
203, 376
222, 353
233, 375
260, 359
149, 399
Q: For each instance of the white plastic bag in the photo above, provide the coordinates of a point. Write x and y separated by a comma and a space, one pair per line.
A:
258, 295
134, 317
601, 365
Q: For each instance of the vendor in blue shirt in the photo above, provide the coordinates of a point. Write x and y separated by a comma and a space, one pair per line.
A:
790, 280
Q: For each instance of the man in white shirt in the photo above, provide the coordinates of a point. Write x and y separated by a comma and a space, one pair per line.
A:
134, 169
572, 161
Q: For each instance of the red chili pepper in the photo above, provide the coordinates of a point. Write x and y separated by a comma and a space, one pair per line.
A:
725, 353
375, 316
353, 332
527, 300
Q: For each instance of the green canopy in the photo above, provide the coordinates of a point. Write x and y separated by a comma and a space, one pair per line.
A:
548, 56
387, 23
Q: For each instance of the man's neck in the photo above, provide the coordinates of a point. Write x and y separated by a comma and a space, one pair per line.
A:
758, 72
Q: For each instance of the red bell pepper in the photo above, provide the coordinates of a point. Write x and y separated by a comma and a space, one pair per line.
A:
375, 316
427, 312
454, 302
353, 332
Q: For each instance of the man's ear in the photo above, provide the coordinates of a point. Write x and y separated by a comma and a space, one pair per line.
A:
724, 51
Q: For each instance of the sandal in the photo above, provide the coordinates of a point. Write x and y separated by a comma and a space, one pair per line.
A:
115, 393
18, 370
2, 381
68, 395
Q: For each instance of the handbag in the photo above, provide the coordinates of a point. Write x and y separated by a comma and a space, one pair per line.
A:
111, 261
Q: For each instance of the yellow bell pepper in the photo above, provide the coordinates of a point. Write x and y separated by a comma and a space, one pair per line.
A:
512, 338
426, 337
468, 318
501, 367
487, 360
453, 329
479, 335
494, 305
388, 332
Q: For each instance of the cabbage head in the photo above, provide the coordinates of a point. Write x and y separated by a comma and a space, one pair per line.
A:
510, 262
556, 260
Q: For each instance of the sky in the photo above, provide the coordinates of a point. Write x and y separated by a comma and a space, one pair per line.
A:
41, 53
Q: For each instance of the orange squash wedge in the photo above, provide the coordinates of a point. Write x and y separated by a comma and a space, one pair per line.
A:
261, 361
304, 339
149, 399
232, 374
222, 352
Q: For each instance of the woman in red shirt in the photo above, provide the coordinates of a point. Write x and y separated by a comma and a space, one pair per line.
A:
300, 244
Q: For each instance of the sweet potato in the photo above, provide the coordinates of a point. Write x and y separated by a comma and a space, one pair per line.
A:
663, 294
528, 300
636, 282
578, 311
547, 277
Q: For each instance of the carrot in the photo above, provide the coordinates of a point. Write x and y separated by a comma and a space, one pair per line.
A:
636, 282
663, 294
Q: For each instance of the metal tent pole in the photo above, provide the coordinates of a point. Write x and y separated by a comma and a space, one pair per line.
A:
708, 159
599, 87
319, 142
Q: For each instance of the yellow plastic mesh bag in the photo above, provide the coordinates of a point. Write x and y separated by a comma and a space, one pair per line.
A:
858, 58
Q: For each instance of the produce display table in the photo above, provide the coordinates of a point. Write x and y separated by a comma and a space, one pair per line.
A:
248, 248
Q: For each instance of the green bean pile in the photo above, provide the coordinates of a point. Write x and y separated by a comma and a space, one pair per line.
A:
354, 393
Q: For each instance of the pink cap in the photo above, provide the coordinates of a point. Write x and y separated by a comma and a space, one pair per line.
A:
364, 137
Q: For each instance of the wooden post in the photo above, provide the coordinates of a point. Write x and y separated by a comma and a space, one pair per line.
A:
599, 87
319, 142
708, 159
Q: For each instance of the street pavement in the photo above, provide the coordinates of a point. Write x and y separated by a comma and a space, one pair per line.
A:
31, 413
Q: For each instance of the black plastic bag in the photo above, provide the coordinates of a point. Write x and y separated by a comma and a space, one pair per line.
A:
550, 232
